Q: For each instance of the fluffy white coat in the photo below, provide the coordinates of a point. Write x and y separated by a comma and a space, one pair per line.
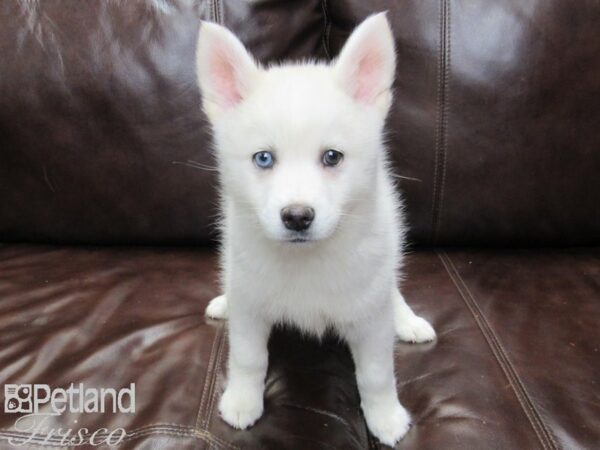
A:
341, 272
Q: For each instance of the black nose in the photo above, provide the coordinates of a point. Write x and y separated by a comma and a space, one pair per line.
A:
297, 217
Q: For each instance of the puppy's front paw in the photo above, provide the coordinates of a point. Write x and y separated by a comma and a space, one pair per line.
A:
217, 308
240, 408
389, 423
414, 329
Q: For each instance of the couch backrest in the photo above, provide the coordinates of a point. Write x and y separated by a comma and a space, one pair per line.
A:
496, 122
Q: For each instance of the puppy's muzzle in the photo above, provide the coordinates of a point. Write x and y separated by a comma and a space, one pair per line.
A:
297, 217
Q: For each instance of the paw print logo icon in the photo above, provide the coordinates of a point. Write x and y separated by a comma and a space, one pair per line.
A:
17, 398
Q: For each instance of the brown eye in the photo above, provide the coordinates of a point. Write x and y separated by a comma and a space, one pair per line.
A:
332, 158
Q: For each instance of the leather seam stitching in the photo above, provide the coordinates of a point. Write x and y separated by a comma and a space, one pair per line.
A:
216, 378
169, 429
219, 11
444, 131
327, 30
541, 430
208, 379
437, 125
439, 176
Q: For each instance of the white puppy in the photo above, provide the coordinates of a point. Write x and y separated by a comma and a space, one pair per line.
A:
311, 222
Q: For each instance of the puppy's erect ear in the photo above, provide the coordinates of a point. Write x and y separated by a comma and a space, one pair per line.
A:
226, 71
367, 63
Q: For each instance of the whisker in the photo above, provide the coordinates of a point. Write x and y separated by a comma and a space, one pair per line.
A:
354, 216
196, 165
191, 161
407, 178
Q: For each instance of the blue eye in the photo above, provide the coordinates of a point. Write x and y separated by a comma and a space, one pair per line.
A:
264, 160
332, 158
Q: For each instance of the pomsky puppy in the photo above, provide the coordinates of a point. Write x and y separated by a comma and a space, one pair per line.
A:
311, 221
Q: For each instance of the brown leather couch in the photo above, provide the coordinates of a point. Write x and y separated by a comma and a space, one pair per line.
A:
107, 199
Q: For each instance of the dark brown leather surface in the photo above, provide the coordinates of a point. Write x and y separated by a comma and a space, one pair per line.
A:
97, 99
496, 119
515, 365
496, 115
114, 316
540, 313
100, 112
496, 124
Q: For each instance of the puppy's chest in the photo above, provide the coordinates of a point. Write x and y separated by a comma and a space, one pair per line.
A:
312, 294
312, 307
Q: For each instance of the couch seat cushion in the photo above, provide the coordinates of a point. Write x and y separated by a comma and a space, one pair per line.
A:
515, 365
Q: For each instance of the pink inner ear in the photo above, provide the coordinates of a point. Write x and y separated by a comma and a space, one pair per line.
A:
368, 75
224, 77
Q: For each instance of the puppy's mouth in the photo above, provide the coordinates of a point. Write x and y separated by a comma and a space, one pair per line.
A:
298, 238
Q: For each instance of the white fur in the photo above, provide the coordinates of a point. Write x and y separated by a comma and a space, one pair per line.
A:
344, 277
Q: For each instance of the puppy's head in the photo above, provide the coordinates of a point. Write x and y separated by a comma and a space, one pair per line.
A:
298, 146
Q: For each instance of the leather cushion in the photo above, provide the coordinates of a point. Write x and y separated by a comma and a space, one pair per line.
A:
515, 364
496, 119
495, 123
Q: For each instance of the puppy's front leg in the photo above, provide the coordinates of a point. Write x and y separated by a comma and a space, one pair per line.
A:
242, 402
372, 347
